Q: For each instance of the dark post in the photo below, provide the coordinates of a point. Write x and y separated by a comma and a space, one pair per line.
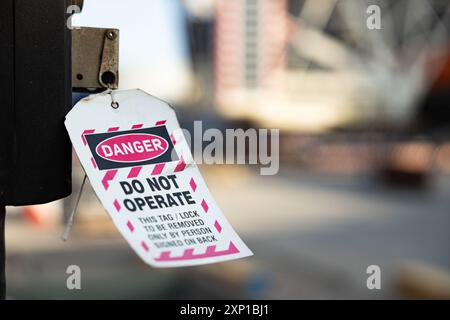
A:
2, 254
35, 96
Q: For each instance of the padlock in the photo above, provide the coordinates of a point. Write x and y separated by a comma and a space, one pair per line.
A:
35, 86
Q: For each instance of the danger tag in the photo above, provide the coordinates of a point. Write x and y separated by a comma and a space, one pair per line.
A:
142, 170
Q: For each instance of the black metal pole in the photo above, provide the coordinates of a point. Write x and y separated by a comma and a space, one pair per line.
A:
2, 254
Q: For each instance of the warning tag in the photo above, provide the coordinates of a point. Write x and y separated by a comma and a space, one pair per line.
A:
143, 172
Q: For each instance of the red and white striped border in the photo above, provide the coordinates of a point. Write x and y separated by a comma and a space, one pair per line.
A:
157, 169
211, 251
134, 172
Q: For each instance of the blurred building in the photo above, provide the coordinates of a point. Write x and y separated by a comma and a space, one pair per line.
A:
304, 65
250, 45
250, 55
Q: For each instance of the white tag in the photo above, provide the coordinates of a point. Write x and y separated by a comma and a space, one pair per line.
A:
142, 170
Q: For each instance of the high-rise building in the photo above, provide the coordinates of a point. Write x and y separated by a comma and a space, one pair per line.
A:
250, 41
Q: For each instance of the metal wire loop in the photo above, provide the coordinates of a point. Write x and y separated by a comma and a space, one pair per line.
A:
114, 103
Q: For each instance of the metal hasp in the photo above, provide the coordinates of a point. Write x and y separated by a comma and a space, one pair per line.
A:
95, 58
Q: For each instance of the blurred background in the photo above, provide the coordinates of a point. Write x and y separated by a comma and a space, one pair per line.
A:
364, 176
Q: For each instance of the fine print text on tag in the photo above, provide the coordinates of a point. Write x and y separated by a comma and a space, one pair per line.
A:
142, 170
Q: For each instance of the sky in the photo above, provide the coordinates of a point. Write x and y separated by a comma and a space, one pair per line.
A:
154, 53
